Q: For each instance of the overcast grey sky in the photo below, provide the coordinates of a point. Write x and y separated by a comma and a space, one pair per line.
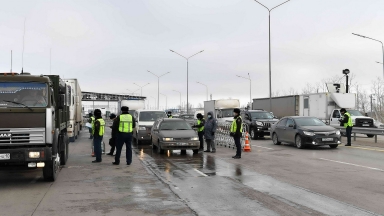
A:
109, 45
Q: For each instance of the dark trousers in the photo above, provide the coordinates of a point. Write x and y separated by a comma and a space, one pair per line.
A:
238, 145
201, 139
90, 133
112, 143
121, 139
97, 147
349, 135
112, 150
210, 144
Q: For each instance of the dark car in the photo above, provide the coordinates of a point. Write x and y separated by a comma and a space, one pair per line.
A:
258, 122
174, 134
303, 131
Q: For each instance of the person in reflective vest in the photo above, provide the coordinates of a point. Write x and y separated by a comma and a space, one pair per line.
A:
169, 114
92, 121
123, 126
236, 132
200, 129
98, 129
112, 140
348, 125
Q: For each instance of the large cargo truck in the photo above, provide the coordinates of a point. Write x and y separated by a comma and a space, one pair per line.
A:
75, 109
222, 109
325, 106
133, 105
35, 117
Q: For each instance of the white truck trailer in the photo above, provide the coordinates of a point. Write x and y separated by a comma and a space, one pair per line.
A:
133, 105
222, 109
75, 110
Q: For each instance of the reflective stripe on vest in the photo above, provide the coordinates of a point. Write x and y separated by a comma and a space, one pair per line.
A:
349, 123
102, 127
234, 125
125, 125
198, 123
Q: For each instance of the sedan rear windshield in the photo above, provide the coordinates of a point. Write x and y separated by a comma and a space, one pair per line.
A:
175, 125
151, 116
309, 122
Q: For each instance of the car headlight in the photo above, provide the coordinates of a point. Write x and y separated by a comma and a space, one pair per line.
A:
337, 132
142, 128
195, 138
167, 139
307, 133
259, 123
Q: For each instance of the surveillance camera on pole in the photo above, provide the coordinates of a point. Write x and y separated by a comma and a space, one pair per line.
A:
346, 72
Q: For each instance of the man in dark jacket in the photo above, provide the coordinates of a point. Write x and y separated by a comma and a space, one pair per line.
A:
236, 132
209, 132
112, 140
124, 126
200, 129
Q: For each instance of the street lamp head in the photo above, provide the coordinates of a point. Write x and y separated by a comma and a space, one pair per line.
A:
202, 51
346, 71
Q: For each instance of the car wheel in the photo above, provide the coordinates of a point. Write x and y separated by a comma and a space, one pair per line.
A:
195, 151
370, 135
275, 139
253, 134
333, 146
298, 142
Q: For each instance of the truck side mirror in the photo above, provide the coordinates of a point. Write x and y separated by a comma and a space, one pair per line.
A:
61, 101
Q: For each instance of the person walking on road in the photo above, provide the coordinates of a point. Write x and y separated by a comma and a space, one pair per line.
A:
112, 140
124, 125
98, 133
91, 120
346, 121
209, 132
236, 132
169, 114
200, 129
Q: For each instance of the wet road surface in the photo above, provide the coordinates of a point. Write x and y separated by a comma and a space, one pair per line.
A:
270, 180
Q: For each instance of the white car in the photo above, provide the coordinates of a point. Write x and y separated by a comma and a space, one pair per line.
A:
144, 122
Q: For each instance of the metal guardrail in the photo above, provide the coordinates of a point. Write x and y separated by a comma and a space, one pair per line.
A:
362, 130
222, 137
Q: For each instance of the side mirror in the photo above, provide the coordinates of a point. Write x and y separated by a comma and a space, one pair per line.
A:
291, 125
61, 101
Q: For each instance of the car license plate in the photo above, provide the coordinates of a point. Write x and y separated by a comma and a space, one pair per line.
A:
5, 156
365, 125
327, 139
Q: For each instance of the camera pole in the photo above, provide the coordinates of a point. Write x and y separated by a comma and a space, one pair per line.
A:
346, 72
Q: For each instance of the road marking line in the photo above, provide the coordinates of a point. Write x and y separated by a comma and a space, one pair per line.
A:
262, 147
201, 173
356, 165
365, 148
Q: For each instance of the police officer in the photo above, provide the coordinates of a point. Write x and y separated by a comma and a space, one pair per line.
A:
346, 121
236, 132
200, 129
169, 114
92, 121
112, 140
98, 133
123, 126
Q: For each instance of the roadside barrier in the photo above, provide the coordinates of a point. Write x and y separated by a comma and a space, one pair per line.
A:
223, 138
362, 130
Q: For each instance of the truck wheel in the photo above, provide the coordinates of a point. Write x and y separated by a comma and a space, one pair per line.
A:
298, 142
370, 135
275, 139
51, 169
64, 153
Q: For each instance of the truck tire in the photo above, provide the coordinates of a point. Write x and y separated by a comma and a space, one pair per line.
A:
64, 152
370, 135
51, 169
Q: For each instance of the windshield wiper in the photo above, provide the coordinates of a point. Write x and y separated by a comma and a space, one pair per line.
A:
18, 104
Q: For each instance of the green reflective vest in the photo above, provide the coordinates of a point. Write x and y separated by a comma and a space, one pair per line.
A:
234, 125
170, 116
125, 125
102, 127
198, 123
92, 120
349, 123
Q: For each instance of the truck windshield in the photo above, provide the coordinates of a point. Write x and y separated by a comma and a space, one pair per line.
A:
151, 116
261, 115
226, 113
355, 113
20, 94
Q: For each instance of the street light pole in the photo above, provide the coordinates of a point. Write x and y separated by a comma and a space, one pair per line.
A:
250, 86
269, 39
154, 98
158, 86
382, 46
133, 91
205, 87
180, 98
166, 101
141, 87
187, 72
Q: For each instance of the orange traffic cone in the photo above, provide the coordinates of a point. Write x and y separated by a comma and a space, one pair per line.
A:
247, 147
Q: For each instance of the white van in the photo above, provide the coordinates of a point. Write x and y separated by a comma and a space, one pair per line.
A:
144, 122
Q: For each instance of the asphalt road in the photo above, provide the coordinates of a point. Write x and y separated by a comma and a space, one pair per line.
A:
270, 180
